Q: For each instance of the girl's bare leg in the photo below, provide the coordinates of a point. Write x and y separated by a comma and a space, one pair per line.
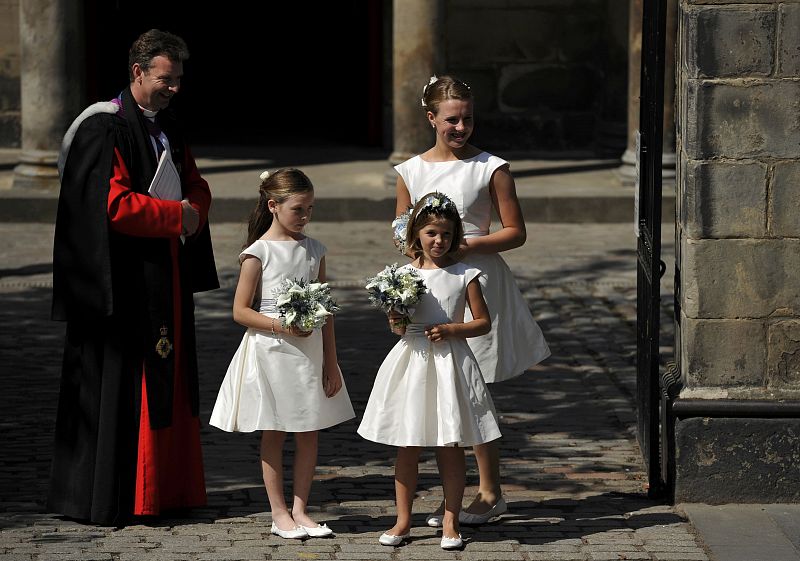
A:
272, 472
405, 486
452, 470
489, 492
305, 462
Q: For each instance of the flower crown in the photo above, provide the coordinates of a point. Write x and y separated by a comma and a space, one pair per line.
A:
437, 201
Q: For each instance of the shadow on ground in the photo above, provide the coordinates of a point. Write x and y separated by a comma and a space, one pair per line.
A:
570, 461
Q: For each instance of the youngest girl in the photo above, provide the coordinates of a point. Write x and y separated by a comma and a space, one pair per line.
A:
282, 379
429, 390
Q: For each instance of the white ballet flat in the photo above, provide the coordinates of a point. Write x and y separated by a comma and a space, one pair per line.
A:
320, 531
434, 520
296, 533
391, 539
452, 543
476, 519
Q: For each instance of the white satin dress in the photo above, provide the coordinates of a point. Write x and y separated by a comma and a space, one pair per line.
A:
516, 341
432, 394
274, 382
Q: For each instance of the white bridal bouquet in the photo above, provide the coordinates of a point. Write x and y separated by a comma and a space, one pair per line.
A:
305, 305
399, 229
395, 290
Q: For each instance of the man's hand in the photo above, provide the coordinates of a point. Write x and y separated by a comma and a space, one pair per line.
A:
190, 220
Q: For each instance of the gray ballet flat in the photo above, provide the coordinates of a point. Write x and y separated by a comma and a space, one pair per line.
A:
477, 519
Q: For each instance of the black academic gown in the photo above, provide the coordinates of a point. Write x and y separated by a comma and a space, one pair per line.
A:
114, 292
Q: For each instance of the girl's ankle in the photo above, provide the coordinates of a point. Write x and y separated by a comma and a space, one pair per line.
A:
451, 531
399, 529
303, 518
450, 526
490, 498
284, 520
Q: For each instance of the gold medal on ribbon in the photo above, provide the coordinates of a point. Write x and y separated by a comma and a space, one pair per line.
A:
163, 347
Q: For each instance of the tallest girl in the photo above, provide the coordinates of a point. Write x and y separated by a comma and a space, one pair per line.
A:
477, 182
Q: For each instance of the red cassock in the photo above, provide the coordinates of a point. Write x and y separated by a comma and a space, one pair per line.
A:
169, 471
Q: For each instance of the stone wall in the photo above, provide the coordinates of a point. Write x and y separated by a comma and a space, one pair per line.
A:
549, 75
9, 74
740, 195
739, 235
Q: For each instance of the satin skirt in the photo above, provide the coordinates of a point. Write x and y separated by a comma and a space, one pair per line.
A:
429, 394
275, 383
516, 341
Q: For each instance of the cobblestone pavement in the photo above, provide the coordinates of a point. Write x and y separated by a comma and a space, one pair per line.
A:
572, 471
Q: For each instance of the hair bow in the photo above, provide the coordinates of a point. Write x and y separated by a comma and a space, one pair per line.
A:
264, 175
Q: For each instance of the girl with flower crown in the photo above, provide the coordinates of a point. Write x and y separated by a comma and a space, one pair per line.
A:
477, 182
282, 379
429, 390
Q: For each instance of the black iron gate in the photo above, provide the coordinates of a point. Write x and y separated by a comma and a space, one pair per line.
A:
648, 226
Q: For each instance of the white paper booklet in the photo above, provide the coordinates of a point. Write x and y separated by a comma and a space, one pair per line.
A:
166, 184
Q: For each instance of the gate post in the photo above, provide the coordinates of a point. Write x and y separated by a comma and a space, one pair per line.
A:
738, 253
648, 230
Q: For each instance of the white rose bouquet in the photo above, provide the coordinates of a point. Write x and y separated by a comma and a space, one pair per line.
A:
396, 290
305, 305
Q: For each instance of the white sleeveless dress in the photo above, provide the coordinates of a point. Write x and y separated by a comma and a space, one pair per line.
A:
515, 342
274, 382
432, 394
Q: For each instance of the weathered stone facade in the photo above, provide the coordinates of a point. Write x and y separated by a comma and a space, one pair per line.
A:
551, 75
739, 247
10, 130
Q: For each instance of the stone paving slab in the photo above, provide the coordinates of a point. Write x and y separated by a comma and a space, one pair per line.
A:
751, 532
572, 471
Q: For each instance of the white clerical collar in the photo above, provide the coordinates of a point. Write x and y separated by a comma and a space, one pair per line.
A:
147, 113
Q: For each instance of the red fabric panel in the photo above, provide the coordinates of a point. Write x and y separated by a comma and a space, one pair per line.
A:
169, 472
137, 214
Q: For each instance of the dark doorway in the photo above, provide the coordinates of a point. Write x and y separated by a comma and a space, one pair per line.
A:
260, 72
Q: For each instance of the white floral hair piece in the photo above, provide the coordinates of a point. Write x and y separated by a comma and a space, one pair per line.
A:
437, 201
264, 175
400, 229
432, 80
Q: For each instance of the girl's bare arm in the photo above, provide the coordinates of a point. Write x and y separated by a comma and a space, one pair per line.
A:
481, 322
